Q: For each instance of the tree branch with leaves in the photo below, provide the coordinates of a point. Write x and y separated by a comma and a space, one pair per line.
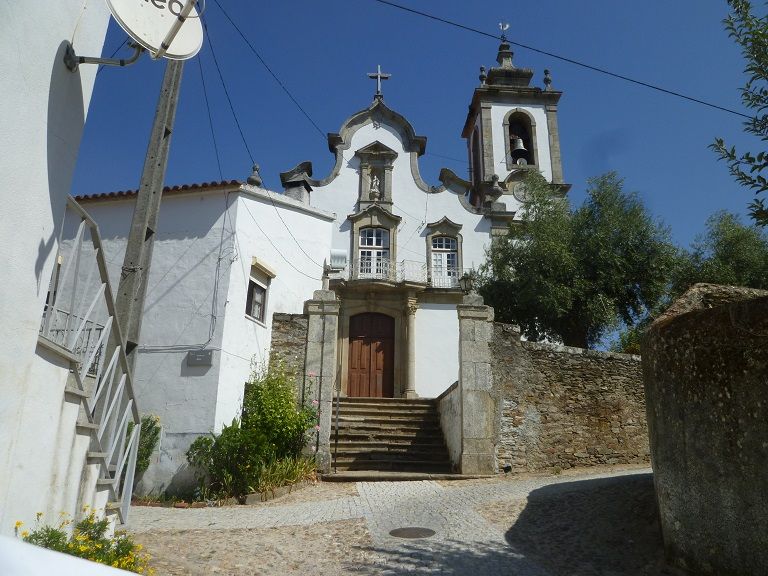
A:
751, 33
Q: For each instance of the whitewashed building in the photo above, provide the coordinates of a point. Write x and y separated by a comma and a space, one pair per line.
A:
62, 434
388, 247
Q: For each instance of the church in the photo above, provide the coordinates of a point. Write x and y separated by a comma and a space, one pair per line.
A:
380, 253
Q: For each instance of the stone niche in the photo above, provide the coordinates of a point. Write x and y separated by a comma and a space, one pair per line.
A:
705, 367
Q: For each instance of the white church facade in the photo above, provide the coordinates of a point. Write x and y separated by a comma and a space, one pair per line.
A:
388, 246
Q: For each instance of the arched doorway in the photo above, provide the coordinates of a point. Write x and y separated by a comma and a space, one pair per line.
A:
371, 355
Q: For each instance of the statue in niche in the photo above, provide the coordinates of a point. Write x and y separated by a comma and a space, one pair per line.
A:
375, 191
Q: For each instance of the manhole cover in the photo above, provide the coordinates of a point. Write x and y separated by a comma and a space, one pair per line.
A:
412, 532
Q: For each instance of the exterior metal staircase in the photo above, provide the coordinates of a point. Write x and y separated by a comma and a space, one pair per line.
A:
385, 434
80, 325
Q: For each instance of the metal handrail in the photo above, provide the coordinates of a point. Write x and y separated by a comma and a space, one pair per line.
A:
110, 403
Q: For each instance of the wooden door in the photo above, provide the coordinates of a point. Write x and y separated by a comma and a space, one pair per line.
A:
371, 356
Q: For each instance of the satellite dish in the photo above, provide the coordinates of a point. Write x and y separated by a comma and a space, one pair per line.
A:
152, 22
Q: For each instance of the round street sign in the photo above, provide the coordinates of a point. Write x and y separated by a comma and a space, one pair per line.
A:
149, 21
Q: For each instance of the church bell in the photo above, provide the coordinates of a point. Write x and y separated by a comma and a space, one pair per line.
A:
517, 145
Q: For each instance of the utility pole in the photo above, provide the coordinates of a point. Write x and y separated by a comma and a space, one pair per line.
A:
132, 289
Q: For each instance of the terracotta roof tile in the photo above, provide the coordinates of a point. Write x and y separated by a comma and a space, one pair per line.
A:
166, 190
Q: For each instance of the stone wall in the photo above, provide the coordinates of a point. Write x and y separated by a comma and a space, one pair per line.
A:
705, 365
564, 407
289, 343
449, 408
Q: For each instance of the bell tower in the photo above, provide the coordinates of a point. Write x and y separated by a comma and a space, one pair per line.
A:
511, 128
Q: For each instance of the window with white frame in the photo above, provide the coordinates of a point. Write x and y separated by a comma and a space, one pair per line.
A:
256, 301
445, 262
374, 252
258, 290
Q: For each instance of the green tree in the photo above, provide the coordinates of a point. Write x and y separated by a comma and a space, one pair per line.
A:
751, 33
576, 275
729, 253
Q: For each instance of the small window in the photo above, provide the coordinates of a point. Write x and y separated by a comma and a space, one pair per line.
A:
256, 302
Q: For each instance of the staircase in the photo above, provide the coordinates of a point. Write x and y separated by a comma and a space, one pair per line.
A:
389, 434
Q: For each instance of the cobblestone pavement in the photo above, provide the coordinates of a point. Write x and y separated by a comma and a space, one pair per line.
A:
473, 524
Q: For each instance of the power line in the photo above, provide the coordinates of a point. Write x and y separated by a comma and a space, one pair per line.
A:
210, 118
248, 150
226, 92
115, 51
563, 58
264, 63
445, 157
276, 248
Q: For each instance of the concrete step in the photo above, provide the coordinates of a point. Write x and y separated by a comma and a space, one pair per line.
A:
389, 476
385, 424
393, 465
409, 455
366, 443
374, 413
421, 406
388, 419
388, 401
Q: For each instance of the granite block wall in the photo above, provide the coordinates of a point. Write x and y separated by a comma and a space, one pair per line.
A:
705, 364
564, 407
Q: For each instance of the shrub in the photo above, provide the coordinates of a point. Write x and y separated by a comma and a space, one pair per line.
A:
231, 461
90, 542
261, 451
284, 472
148, 440
270, 405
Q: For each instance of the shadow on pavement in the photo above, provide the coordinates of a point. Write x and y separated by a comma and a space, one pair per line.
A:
602, 527
448, 558
607, 526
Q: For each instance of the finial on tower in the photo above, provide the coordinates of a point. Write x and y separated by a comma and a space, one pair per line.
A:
379, 76
483, 75
504, 58
547, 80
255, 178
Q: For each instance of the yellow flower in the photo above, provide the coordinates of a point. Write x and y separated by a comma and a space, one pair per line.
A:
25, 534
18, 524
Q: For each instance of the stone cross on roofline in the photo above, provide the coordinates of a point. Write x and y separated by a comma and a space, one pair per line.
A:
379, 76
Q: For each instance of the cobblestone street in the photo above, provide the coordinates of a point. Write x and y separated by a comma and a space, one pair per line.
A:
572, 524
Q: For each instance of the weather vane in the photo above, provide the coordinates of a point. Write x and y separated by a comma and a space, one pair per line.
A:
503, 26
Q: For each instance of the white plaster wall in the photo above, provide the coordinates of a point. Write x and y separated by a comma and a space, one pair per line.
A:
416, 207
184, 311
539, 114
437, 348
42, 118
264, 235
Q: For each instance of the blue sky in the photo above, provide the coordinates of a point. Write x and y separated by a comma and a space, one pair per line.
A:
321, 51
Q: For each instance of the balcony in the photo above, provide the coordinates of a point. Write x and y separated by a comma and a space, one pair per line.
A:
386, 270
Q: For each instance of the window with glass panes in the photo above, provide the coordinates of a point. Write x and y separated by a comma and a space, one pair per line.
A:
445, 260
374, 251
255, 304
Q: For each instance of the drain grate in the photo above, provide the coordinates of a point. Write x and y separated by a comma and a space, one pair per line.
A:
412, 532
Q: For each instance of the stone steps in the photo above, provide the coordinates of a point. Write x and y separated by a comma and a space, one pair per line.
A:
398, 435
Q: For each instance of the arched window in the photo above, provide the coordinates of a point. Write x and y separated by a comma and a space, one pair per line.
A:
374, 253
476, 165
445, 262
